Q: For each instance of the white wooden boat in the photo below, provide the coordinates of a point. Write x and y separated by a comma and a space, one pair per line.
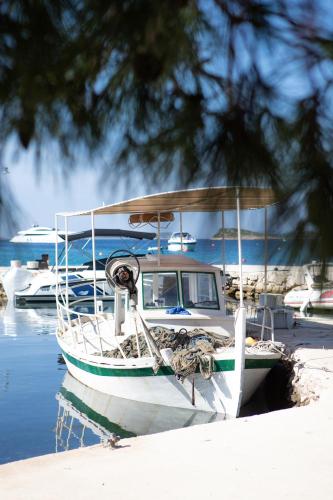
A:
148, 291
315, 294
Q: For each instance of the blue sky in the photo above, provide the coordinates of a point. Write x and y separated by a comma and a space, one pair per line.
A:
41, 193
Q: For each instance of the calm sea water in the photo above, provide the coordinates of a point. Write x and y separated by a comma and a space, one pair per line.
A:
209, 251
45, 410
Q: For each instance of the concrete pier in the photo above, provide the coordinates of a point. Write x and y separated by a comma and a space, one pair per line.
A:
285, 454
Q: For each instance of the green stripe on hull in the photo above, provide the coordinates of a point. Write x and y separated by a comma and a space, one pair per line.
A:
222, 365
260, 363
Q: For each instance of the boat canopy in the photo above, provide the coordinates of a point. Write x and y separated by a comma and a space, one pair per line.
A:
110, 233
189, 200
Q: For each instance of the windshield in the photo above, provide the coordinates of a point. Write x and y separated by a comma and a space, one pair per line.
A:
179, 235
199, 290
160, 290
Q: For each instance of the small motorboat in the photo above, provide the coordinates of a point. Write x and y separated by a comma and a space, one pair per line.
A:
317, 293
181, 239
45, 285
37, 283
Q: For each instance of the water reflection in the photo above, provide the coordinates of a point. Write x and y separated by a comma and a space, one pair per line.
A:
39, 321
83, 409
84, 306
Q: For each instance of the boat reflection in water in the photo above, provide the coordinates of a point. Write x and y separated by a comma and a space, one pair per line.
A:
82, 408
21, 322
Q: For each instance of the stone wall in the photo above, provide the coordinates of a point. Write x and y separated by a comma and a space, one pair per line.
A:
279, 280
3, 297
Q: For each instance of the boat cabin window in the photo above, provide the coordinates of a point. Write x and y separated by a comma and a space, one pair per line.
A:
179, 235
71, 277
43, 289
199, 290
160, 290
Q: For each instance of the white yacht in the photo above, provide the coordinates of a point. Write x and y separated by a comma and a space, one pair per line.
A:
181, 238
38, 234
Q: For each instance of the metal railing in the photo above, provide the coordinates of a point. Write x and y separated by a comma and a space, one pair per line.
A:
75, 323
259, 317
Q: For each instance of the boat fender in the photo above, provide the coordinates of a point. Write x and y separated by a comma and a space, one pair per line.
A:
250, 341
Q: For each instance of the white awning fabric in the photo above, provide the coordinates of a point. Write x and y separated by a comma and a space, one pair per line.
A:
190, 200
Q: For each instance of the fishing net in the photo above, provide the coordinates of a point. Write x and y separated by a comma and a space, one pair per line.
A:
192, 350
166, 338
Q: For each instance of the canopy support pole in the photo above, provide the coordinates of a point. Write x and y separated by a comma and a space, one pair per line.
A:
240, 260
94, 258
159, 237
56, 256
223, 252
181, 230
240, 327
265, 278
265, 256
66, 258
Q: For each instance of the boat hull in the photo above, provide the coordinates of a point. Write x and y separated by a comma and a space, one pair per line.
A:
141, 384
22, 300
178, 247
48, 238
314, 299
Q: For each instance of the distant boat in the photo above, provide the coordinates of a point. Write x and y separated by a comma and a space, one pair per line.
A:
182, 238
315, 294
38, 234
